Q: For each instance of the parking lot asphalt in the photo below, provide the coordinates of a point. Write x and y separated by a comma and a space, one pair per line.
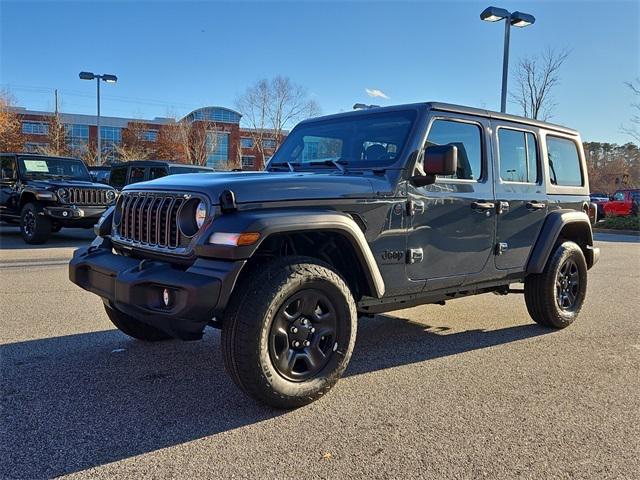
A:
471, 389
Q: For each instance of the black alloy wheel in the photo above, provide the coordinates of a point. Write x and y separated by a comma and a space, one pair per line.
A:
567, 284
302, 335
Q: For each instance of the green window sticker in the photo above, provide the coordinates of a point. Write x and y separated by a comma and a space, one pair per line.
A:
36, 166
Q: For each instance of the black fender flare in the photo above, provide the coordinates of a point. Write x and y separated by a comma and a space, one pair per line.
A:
555, 222
268, 222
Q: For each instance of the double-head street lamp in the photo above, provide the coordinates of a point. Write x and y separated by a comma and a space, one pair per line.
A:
517, 19
105, 78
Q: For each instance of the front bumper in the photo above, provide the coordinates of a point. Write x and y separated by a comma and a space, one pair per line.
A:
136, 287
74, 213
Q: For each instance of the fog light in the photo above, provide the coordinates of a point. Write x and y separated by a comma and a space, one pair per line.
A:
64, 214
166, 297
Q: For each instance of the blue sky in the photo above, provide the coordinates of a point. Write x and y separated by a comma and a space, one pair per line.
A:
172, 57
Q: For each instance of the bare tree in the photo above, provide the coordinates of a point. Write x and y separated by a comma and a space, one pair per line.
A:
57, 138
11, 138
187, 141
269, 107
634, 129
535, 79
134, 145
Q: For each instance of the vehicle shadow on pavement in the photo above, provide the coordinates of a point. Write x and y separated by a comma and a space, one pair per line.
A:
75, 402
10, 238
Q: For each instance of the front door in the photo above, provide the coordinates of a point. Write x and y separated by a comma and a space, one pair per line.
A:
453, 220
8, 185
520, 200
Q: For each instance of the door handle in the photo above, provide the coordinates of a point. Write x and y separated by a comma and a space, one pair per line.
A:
535, 206
482, 206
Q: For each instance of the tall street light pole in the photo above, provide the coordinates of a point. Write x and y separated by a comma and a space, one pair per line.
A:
517, 19
105, 78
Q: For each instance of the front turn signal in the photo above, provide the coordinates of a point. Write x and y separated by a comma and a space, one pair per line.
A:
234, 239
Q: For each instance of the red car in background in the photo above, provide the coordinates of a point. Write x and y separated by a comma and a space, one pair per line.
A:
623, 203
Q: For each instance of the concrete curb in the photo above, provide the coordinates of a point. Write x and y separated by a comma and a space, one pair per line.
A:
617, 232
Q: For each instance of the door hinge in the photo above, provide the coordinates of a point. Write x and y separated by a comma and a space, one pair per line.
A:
503, 207
415, 255
501, 248
414, 207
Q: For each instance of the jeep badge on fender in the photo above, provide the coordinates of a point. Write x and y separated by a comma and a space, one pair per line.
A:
283, 260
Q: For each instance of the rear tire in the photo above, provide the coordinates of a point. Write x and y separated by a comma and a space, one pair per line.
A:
555, 296
35, 227
289, 331
135, 328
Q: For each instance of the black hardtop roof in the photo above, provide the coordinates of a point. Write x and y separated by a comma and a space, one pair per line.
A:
449, 107
156, 163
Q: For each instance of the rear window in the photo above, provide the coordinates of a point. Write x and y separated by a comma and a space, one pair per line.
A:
118, 178
564, 162
136, 175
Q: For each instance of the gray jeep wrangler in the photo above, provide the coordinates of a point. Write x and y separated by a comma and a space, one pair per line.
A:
357, 213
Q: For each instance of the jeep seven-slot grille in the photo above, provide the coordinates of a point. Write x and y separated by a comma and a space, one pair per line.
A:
88, 196
151, 219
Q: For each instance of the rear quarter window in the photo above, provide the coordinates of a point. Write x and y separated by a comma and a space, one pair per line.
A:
564, 162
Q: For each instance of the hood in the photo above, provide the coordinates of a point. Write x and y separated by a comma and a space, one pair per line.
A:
58, 183
267, 186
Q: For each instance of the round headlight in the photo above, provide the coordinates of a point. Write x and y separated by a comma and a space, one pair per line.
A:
201, 214
111, 195
63, 193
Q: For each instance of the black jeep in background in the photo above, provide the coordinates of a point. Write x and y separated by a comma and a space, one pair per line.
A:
135, 171
358, 213
44, 194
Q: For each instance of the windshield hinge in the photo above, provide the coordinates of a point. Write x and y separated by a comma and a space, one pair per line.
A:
414, 207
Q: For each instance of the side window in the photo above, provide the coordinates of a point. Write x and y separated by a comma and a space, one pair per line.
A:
564, 162
618, 196
157, 172
136, 175
518, 156
465, 136
118, 178
8, 168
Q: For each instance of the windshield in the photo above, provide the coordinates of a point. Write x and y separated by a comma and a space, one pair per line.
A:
49, 167
363, 140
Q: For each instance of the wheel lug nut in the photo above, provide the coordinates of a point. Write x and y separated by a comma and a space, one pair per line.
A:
296, 344
294, 329
307, 343
313, 330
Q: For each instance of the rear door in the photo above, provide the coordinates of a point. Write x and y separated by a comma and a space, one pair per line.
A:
521, 202
8, 185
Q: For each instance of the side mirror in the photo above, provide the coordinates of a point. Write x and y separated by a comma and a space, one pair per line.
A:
438, 160
441, 160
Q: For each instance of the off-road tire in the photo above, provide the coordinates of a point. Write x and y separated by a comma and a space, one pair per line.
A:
246, 330
540, 290
34, 227
135, 328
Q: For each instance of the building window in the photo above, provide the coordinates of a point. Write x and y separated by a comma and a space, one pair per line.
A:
248, 161
218, 149
269, 143
150, 135
110, 139
246, 142
35, 128
78, 138
215, 115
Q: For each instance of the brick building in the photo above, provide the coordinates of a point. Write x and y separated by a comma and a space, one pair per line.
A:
226, 142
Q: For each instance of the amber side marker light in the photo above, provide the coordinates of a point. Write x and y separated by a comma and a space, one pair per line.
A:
234, 239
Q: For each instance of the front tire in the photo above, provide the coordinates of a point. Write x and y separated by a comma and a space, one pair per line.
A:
135, 328
555, 296
34, 226
289, 331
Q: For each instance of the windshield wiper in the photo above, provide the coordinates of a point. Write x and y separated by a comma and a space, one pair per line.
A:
330, 161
